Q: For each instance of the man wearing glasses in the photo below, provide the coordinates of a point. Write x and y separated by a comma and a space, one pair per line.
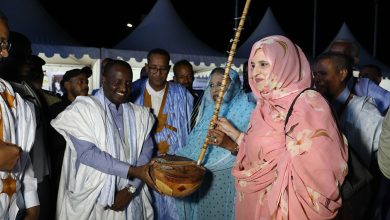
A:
172, 106
17, 132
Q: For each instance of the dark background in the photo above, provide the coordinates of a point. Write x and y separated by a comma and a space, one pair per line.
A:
103, 23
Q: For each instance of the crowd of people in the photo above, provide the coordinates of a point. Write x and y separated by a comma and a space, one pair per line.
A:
285, 143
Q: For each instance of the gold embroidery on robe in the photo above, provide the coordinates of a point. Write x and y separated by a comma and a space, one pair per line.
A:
9, 186
9, 183
9, 100
163, 146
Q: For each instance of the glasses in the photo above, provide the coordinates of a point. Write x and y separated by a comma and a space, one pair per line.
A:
154, 69
5, 45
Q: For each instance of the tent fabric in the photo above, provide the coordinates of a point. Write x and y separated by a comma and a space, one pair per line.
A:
48, 39
65, 51
267, 26
163, 28
364, 56
28, 17
57, 48
197, 60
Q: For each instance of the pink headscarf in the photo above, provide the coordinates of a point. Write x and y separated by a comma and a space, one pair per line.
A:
295, 176
289, 66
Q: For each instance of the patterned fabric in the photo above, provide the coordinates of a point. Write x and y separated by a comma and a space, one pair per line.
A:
18, 126
215, 199
178, 109
295, 175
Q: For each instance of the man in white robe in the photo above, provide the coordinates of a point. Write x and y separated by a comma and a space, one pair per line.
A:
107, 138
9, 155
17, 132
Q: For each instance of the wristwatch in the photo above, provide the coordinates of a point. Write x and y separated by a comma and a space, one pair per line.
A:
131, 189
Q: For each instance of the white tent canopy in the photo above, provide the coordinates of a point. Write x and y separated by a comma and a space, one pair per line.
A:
60, 59
163, 28
137, 60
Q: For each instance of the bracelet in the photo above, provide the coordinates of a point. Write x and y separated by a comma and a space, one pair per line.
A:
235, 150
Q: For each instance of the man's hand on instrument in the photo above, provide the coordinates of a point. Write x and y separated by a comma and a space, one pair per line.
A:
9, 155
122, 200
142, 172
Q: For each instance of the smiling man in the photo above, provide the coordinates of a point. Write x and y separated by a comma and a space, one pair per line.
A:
107, 138
360, 122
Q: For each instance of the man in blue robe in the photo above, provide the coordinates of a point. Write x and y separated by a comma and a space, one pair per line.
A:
172, 106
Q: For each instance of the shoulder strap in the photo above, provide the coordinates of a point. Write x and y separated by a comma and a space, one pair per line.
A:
292, 106
331, 108
335, 117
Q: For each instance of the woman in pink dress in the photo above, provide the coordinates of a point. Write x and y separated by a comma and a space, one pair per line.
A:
293, 171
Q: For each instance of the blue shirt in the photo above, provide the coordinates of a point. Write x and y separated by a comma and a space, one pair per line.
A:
341, 99
361, 123
366, 87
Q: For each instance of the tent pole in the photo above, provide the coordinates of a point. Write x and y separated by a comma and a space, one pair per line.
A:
314, 28
236, 14
232, 51
375, 28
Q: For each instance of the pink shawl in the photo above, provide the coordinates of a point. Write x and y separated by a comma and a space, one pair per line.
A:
297, 176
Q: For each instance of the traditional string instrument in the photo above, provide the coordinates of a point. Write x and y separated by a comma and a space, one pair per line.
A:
179, 176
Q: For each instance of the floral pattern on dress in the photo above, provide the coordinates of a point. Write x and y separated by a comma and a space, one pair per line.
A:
240, 196
284, 204
255, 167
311, 98
303, 141
311, 131
266, 41
314, 196
269, 84
278, 116
344, 168
263, 193
243, 183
